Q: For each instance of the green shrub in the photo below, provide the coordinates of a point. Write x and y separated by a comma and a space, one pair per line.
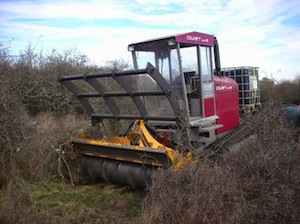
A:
283, 91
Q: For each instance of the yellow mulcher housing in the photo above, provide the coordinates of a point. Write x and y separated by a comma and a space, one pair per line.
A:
170, 98
129, 160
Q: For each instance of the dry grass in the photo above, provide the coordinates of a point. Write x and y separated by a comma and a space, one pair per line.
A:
259, 183
43, 148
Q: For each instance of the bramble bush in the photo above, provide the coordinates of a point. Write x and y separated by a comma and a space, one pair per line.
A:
259, 182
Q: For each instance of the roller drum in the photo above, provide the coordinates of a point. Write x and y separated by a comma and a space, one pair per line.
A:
117, 172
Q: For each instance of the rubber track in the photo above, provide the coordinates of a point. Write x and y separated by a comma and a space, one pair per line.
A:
231, 138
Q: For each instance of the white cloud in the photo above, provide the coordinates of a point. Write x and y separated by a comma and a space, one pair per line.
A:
64, 9
250, 32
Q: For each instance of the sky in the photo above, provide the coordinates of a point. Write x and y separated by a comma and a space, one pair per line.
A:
261, 33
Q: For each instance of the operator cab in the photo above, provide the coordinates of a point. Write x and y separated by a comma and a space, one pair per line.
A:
185, 62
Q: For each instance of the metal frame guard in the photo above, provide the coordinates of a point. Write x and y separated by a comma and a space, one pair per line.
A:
108, 96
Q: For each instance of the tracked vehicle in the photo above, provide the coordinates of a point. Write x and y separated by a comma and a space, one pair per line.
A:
176, 98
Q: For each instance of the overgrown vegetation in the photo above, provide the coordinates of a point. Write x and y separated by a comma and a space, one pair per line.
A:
258, 183
38, 166
41, 181
282, 92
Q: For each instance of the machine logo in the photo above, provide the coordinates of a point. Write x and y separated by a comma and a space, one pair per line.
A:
195, 38
223, 88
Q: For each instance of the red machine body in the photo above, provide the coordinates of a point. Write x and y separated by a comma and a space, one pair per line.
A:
227, 103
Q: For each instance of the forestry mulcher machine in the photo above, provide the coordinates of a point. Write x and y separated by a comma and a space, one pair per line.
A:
176, 98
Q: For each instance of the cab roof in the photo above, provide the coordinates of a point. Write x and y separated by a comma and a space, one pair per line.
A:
193, 38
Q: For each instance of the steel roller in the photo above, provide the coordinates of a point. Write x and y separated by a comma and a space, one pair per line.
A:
117, 172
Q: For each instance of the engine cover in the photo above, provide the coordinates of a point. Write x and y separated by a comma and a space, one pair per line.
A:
227, 103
